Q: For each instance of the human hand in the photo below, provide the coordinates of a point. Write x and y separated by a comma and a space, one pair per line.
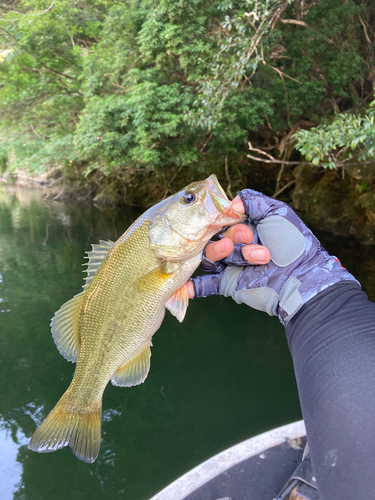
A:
240, 233
277, 277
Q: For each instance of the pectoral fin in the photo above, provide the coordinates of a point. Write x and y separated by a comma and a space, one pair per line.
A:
155, 277
178, 303
135, 371
64, 327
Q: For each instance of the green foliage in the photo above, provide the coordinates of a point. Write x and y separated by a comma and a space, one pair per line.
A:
168, 89
293, 65
347, 138
232, 56
40, 81
141, 129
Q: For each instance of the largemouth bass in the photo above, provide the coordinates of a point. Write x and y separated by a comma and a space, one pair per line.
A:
107, 328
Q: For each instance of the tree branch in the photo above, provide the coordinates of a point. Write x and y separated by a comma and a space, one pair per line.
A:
49, 8
51, 69
340, 164
40, 62
205, 144
228, 177
305, 25
272, 159
288, 184
365, 30
9, 8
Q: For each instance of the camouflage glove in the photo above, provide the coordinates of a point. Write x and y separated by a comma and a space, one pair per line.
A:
299, 268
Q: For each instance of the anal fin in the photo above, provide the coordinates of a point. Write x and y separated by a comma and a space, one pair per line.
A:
135, 371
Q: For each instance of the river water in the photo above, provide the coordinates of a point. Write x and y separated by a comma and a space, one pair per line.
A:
222, 376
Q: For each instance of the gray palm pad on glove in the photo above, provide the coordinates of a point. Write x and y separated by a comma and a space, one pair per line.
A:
299, 268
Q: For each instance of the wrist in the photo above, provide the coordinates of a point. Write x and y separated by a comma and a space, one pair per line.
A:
190, 289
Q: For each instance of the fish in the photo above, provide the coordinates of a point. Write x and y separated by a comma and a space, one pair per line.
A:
107, 329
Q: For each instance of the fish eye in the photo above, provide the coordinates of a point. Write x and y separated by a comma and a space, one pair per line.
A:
189, 197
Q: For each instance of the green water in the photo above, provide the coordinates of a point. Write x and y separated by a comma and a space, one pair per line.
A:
222, 376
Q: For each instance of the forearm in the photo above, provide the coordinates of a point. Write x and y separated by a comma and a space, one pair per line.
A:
332, 342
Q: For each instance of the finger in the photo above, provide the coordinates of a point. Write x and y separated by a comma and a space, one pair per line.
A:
219, 249
256, 254
238, 205
190, 289
240, 233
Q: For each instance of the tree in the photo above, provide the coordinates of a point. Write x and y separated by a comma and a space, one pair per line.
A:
155, 93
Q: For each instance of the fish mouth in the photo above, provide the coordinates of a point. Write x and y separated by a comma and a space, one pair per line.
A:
219, 206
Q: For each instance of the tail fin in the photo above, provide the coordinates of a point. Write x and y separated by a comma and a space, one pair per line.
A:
62, 427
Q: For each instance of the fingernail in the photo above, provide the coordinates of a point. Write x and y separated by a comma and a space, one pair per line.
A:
242, 237
259, 256
219, 246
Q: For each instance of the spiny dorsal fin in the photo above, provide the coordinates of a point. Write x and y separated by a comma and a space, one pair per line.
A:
96, 257
135, 371
64, 327
178, 303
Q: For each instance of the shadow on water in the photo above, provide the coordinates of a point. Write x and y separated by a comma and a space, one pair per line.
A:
221, 376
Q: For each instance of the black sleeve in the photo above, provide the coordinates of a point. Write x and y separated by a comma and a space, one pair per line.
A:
332, 342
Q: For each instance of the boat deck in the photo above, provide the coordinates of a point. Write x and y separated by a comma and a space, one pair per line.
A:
256, 469
260, 477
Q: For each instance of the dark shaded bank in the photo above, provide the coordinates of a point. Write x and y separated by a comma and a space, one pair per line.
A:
339, 202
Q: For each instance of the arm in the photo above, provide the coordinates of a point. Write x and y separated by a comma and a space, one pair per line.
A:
332, 343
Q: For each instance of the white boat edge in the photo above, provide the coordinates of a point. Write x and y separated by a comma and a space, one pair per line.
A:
214, 466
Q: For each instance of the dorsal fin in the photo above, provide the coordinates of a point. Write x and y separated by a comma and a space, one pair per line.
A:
64, 327
135, 371
96, 257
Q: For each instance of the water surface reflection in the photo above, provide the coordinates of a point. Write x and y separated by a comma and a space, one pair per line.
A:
10, 468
